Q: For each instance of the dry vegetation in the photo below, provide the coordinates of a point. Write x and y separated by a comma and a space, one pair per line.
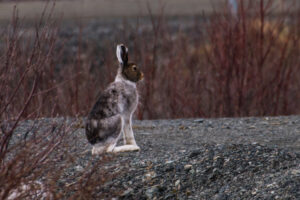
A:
228, 66
34, 157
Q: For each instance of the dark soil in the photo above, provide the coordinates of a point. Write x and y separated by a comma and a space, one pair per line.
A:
228, 158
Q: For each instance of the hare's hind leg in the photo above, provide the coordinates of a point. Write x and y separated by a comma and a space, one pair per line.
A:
108, 132
98, 149
107, 146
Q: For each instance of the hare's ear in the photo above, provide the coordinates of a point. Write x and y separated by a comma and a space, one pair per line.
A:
122, 54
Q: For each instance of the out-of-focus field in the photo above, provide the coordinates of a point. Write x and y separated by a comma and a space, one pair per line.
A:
107, 8
85, 9
220, 64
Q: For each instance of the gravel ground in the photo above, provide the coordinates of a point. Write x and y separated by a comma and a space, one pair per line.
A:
227, 158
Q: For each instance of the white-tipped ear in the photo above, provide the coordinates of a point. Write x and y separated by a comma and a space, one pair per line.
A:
122, 54
118, 52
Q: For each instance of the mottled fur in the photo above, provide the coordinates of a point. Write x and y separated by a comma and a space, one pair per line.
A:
111, 115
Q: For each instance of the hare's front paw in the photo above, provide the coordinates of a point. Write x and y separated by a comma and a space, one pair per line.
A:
136, 148
125, 148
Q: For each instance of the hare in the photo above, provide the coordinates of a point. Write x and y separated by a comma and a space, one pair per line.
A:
112, 113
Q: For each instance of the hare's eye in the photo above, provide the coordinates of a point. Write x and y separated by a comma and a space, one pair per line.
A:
134, 68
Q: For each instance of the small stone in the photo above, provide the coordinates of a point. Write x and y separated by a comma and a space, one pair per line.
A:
254, 192
169, 161
194, 153
179, 167
127, 192
79, 168
169, 196
150, 175
218, 161
215, 175
220, 196
151, 192
188, 167
295, 171
177, 183
210, 124
169, 167
271, 185
199, 120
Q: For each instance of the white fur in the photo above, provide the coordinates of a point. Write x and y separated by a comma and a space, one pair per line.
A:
118, 52
95, 123
121, 107
126, 130
126, 148
98, 149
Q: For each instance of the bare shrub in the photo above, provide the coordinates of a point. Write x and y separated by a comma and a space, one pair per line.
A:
234, 64
252, 61
35, 152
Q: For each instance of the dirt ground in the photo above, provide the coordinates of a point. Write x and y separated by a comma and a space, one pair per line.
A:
225, 158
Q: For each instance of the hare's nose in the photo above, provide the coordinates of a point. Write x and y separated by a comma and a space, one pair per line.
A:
142, 76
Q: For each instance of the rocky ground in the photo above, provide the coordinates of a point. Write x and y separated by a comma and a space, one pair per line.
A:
228, 158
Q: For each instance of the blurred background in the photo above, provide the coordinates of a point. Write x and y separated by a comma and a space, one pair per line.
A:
201, 58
